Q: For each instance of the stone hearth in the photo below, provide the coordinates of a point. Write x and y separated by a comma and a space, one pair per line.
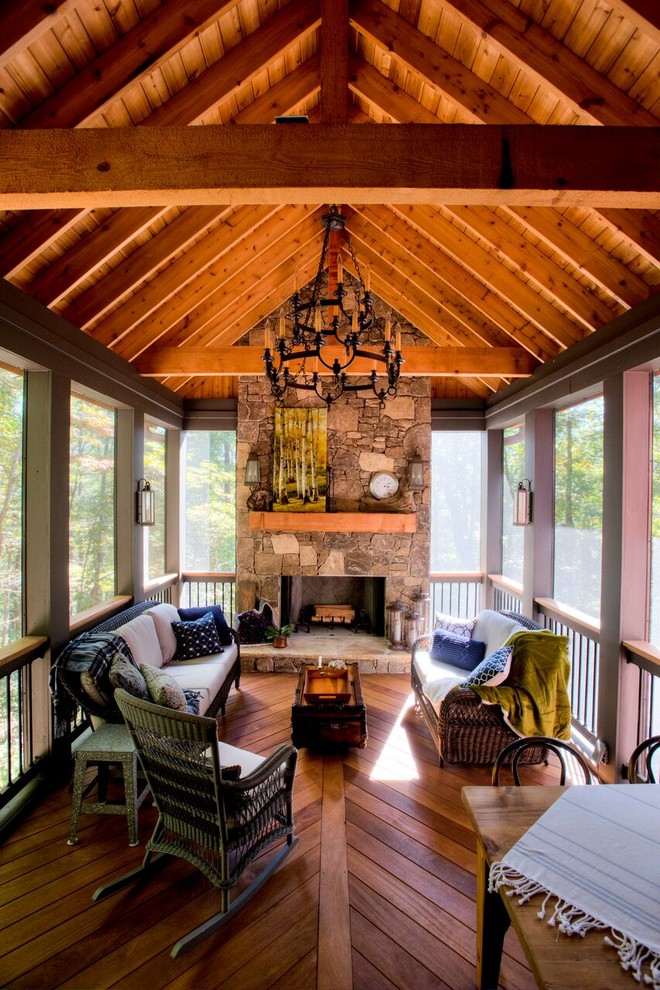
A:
371, 653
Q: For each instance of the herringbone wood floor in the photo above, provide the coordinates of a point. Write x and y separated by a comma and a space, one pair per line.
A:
378, 893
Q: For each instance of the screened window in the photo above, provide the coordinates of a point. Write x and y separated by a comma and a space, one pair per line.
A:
579, 505
91, 504
210, 501
513, 467
11, 505
155, 466
655, 519
456, 501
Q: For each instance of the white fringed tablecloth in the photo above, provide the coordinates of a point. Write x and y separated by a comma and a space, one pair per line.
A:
595, 856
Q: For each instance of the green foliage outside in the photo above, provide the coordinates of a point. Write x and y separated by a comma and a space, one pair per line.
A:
579, 466
513, 537
154, 471
91, 504
11, 506
210, 501
11, 561
579, 505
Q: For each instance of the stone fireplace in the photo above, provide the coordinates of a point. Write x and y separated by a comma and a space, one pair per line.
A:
355, 540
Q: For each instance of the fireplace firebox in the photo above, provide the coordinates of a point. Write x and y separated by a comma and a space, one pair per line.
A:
365, 597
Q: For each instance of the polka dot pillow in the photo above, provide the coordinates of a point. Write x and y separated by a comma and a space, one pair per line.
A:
198, 638
491, 671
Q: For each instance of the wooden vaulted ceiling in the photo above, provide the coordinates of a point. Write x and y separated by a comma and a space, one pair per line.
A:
498, 264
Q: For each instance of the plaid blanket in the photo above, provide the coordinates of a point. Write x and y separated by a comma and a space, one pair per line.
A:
91, 651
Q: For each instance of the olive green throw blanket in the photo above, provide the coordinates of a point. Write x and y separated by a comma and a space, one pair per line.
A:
534, 697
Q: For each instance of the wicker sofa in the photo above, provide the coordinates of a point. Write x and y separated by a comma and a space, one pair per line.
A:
464, 729
80, 677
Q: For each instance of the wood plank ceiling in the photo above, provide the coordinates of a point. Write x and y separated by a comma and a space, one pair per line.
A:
494, 288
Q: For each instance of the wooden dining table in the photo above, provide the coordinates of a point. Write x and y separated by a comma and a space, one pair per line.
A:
500, 816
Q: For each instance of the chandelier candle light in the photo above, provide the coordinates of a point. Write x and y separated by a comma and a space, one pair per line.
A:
306, 330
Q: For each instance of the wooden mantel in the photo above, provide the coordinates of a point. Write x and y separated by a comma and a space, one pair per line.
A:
334, 522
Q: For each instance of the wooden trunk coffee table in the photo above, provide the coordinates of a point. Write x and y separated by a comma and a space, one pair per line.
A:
328, 710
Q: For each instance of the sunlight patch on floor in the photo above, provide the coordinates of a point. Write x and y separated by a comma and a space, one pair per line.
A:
396, 762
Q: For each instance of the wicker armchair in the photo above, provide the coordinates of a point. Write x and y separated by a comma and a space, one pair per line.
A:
464, 729
210, 816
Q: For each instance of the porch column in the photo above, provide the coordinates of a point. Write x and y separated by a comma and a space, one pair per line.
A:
625, 556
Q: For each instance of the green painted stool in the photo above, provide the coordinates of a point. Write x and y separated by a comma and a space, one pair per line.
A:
109, 744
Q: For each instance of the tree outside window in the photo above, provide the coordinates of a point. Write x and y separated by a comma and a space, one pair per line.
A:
579, 505
155, 465
11, 505
513, 468
91, 504
210, 501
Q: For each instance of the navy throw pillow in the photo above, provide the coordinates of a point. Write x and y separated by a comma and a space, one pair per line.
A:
457, 650
221, 623
197, 638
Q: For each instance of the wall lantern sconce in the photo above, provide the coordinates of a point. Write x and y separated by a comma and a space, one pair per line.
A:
522, 503
416, 473
145, 501
253, 470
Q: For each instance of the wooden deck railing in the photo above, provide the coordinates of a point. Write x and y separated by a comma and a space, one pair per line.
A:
209, 588
17, 717
647, 658
458, 594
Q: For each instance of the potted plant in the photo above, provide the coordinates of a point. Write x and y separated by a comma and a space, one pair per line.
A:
278, 634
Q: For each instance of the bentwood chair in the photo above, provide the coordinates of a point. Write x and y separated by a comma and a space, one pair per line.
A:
219, 806
571, 763
641, 767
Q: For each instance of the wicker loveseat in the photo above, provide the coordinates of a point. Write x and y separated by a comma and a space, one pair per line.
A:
464, 729
80, 675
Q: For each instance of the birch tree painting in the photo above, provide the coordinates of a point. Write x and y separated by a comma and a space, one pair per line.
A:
299, 460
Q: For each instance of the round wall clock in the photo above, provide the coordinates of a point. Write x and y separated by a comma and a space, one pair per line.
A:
383, 484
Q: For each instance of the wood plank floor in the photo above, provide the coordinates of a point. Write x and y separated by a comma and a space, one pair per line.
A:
378, 893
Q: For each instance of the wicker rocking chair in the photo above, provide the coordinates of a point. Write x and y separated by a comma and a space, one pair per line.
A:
210, 816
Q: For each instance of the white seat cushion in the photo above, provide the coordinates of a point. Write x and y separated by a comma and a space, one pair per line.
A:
164, 615
204, 674
231, 756
494, 629
142, 638
437, 678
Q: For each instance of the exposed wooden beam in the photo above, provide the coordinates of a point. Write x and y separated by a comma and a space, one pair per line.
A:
201, 309
381, 92
22, 23
644, 14
167, 291
223, 78
285, 95
413, 163
432, 64
485, 362
478, 307
160, 35
567, 291
552, 64
334, 61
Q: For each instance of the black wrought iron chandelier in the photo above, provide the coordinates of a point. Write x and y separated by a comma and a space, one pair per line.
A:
323, 331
